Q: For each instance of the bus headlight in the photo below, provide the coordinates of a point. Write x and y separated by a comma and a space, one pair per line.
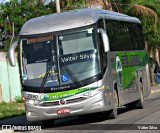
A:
94, 92
32, 102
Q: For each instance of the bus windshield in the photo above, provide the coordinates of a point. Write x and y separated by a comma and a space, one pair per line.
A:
78, 51
67, 58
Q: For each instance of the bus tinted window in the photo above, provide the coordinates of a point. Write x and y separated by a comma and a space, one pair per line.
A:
37, 52
119, 36
83, 41
141, 37
124, 36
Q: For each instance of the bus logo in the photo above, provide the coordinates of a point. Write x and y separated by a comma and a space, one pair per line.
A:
44, 97
119, 71
62, 101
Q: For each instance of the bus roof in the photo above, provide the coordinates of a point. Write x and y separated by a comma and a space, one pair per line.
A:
70, 19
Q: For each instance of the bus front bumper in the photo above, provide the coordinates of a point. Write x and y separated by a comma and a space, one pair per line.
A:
90, 105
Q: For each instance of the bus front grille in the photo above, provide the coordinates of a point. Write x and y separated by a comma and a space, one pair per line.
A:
76, 100
55, 103
52, 103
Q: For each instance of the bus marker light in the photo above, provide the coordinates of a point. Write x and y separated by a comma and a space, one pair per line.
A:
110, 94
23, 98
102, 87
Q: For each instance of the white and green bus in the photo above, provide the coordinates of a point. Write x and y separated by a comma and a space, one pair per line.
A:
81, 62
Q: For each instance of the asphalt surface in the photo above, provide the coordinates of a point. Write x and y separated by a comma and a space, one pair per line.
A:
139, 120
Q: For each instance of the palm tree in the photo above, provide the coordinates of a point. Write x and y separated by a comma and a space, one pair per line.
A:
105, 4
144, 12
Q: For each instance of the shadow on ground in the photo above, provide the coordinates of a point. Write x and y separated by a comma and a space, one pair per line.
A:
60, 123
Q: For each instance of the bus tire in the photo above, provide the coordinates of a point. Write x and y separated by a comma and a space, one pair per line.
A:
113, 113
48, 123
140, 103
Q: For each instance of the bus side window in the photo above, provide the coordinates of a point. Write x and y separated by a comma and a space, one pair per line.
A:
141, 37
119, 35
115, 34
100, 24
103, 55
137, 37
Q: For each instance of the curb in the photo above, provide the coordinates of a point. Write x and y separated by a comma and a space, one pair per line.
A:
155, 89
7, 131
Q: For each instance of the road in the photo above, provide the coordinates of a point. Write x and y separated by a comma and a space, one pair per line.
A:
149, 117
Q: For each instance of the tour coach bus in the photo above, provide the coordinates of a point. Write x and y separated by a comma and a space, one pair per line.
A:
80, 62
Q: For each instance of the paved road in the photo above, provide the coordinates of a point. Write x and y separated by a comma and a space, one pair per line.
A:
150, 115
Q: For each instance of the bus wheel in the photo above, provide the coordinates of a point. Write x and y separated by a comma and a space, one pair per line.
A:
48, 123
113, 113
140, 103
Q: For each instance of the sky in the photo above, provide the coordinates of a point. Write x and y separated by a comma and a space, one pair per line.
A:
3, 1
9, 0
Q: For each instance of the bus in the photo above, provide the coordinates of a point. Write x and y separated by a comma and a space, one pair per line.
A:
80, 62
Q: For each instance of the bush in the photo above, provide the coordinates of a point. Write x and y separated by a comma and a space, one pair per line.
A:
19, 99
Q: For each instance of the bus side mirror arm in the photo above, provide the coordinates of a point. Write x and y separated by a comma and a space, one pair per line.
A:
105, 39
12, 59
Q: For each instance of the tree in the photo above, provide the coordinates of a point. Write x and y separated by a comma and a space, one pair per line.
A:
72, 4
20, 11
105, 4
148, 13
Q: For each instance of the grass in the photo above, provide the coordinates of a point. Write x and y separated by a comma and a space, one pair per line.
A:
11, 109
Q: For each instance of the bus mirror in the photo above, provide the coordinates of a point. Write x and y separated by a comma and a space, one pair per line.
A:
12, 59
105, 39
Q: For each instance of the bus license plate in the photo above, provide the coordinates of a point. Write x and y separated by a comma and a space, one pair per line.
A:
63, 111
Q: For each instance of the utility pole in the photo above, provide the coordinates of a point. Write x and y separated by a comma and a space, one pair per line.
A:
58, 6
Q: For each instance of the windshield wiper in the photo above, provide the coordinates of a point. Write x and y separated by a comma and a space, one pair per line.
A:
73, 77
45, 78
46, 75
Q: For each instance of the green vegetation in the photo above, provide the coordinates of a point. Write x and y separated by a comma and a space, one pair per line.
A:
17, 12
11, 109
19, 99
